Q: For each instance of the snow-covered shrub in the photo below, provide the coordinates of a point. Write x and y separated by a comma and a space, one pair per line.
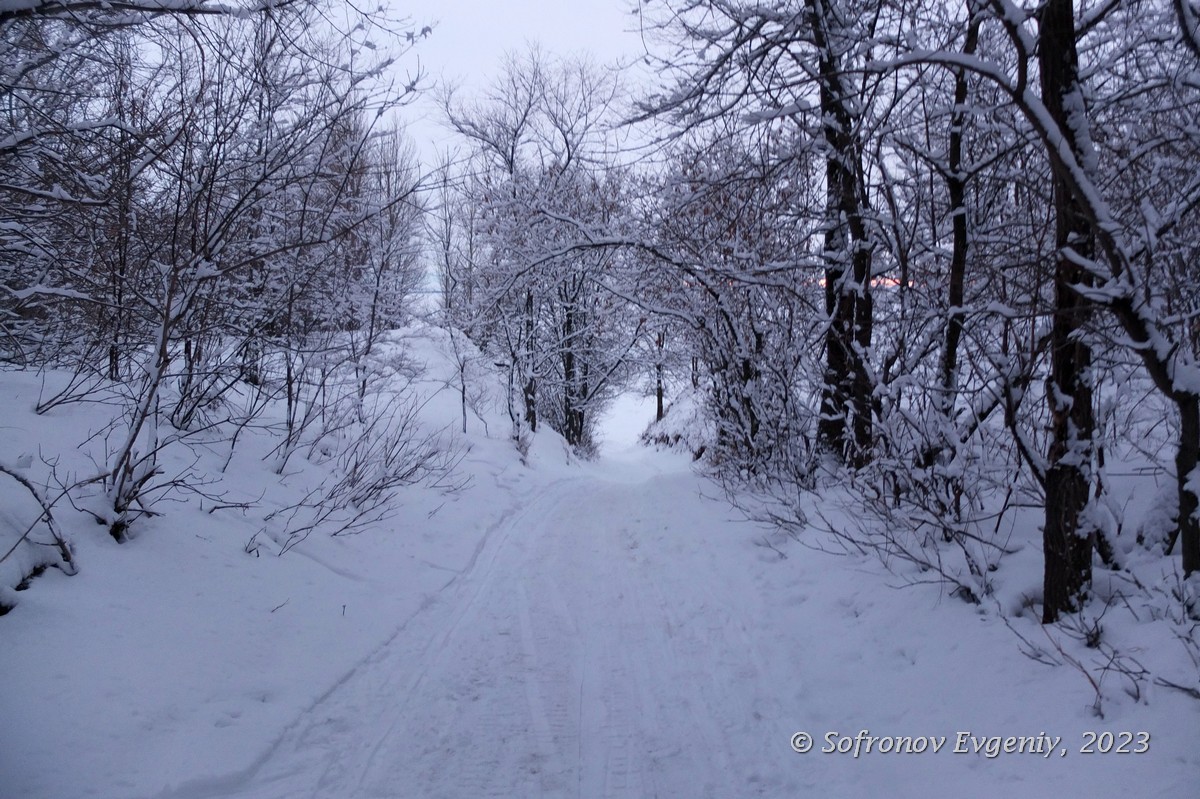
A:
685, 425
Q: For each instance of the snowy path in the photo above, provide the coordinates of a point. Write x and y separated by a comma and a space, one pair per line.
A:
573, 657
555, 630
620, 636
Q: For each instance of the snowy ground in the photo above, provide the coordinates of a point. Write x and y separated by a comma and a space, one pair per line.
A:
558, 629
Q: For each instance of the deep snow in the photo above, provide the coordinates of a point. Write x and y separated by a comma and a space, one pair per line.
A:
557, 628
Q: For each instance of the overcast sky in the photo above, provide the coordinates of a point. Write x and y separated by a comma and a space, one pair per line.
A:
470, 38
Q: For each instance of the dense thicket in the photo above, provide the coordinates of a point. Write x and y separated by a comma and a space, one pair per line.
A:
942, 254
936, 250
537, 177
980, 219
200, 218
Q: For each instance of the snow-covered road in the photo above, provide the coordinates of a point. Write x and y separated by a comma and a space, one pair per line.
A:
619, 635
555, 629
589, 649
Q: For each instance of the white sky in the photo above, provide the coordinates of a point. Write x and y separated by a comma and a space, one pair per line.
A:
471, 37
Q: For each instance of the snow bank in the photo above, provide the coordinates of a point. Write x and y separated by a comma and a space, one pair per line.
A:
684, 425
189, 650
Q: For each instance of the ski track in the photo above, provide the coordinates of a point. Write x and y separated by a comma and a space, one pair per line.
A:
599, 642
567, 659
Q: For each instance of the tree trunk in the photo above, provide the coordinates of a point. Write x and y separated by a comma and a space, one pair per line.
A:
530, 389
956, 186
845, 425
660, 342
570, 378
1068, 536
1185, 469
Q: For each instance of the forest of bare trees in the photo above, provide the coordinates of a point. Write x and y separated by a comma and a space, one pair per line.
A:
940, 251
990, 210
204, 216
940, 256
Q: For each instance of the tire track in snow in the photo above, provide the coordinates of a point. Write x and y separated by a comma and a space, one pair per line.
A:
571, 656
285, 769
483, 573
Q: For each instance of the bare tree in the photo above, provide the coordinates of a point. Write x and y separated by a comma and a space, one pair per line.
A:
539, 183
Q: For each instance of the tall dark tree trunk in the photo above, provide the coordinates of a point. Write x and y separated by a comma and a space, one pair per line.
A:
1068, 536
845, 426
956, 186
120, 234
578, 422
1186, 460
573, 396
660, 342
530, 388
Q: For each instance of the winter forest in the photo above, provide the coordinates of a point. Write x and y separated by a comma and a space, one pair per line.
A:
829, 366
